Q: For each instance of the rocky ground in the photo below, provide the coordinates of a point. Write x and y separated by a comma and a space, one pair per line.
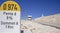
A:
33, 27
52, 20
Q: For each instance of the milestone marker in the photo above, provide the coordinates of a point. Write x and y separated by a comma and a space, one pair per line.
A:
10, 17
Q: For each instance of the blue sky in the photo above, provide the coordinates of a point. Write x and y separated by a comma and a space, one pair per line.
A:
38, 7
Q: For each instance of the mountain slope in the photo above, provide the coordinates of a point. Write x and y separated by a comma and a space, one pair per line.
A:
52, 20
33, 27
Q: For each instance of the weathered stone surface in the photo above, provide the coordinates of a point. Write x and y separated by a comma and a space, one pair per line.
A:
52, 20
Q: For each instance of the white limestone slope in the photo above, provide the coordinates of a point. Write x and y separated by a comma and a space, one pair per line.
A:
33, 27
53, 20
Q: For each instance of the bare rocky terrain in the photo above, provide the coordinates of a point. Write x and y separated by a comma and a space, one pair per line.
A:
52, 20
34, 27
